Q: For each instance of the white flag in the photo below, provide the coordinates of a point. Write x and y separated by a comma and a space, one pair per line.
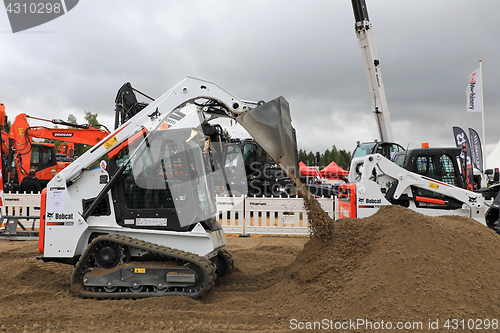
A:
473, 92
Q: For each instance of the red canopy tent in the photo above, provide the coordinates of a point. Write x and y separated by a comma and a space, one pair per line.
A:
333, 171
306, 171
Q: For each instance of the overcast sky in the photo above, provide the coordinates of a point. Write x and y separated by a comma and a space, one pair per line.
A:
306, 51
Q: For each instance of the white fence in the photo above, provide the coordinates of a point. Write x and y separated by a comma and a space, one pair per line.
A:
240, 215
284, 216
25, 205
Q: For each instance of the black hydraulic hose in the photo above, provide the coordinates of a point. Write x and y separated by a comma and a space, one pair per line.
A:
143, 94
65, 123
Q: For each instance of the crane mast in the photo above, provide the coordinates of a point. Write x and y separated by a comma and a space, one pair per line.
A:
364, 33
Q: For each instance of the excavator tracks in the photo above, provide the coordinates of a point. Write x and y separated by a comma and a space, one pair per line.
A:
104, 272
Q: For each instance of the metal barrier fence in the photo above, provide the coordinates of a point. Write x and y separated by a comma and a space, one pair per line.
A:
239, 215
282, 216
20, 216
22, 205
231, 211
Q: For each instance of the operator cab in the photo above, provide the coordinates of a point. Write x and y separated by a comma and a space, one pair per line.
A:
442, 164
256, 173
167, 180
386, 149
265, 177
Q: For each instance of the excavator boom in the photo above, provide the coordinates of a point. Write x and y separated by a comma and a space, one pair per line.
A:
27, 154
89, 136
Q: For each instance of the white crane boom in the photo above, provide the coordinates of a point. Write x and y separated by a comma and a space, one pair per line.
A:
365, 36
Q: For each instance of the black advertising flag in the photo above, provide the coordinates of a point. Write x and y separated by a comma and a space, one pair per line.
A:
463, 142
476, 149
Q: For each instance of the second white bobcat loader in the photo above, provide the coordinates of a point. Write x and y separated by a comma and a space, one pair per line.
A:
144, 222
375, 181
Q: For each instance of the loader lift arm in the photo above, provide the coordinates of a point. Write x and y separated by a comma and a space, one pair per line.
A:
269, 124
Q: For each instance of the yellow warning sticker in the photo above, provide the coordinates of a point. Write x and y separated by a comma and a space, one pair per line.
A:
434, 186
111, 142
140, 270
21, 131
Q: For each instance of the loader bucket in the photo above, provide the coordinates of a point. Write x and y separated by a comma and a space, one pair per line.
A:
270, 125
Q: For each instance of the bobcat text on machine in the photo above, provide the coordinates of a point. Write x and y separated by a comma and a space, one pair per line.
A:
144, 223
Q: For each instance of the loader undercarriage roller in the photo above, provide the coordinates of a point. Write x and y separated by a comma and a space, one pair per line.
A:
105, 271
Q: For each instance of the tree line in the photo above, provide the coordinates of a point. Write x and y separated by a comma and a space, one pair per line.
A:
341, 157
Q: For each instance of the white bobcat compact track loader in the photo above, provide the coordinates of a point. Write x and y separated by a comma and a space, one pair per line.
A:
136, 213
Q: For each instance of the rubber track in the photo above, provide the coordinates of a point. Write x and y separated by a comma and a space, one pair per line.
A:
80, 270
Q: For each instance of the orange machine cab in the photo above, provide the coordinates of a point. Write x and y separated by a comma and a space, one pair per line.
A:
347, 200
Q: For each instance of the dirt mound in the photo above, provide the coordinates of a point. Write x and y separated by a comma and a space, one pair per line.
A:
401, 265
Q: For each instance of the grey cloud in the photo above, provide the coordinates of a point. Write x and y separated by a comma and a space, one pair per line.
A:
305, 51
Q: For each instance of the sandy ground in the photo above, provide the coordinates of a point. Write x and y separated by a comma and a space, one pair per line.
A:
36, 296
396, 267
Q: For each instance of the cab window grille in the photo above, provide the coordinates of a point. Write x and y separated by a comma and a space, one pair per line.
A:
102, 208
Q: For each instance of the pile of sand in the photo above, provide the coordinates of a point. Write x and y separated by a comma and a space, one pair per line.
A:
399, 265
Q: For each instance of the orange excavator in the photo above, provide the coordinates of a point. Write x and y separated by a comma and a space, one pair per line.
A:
20, 153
